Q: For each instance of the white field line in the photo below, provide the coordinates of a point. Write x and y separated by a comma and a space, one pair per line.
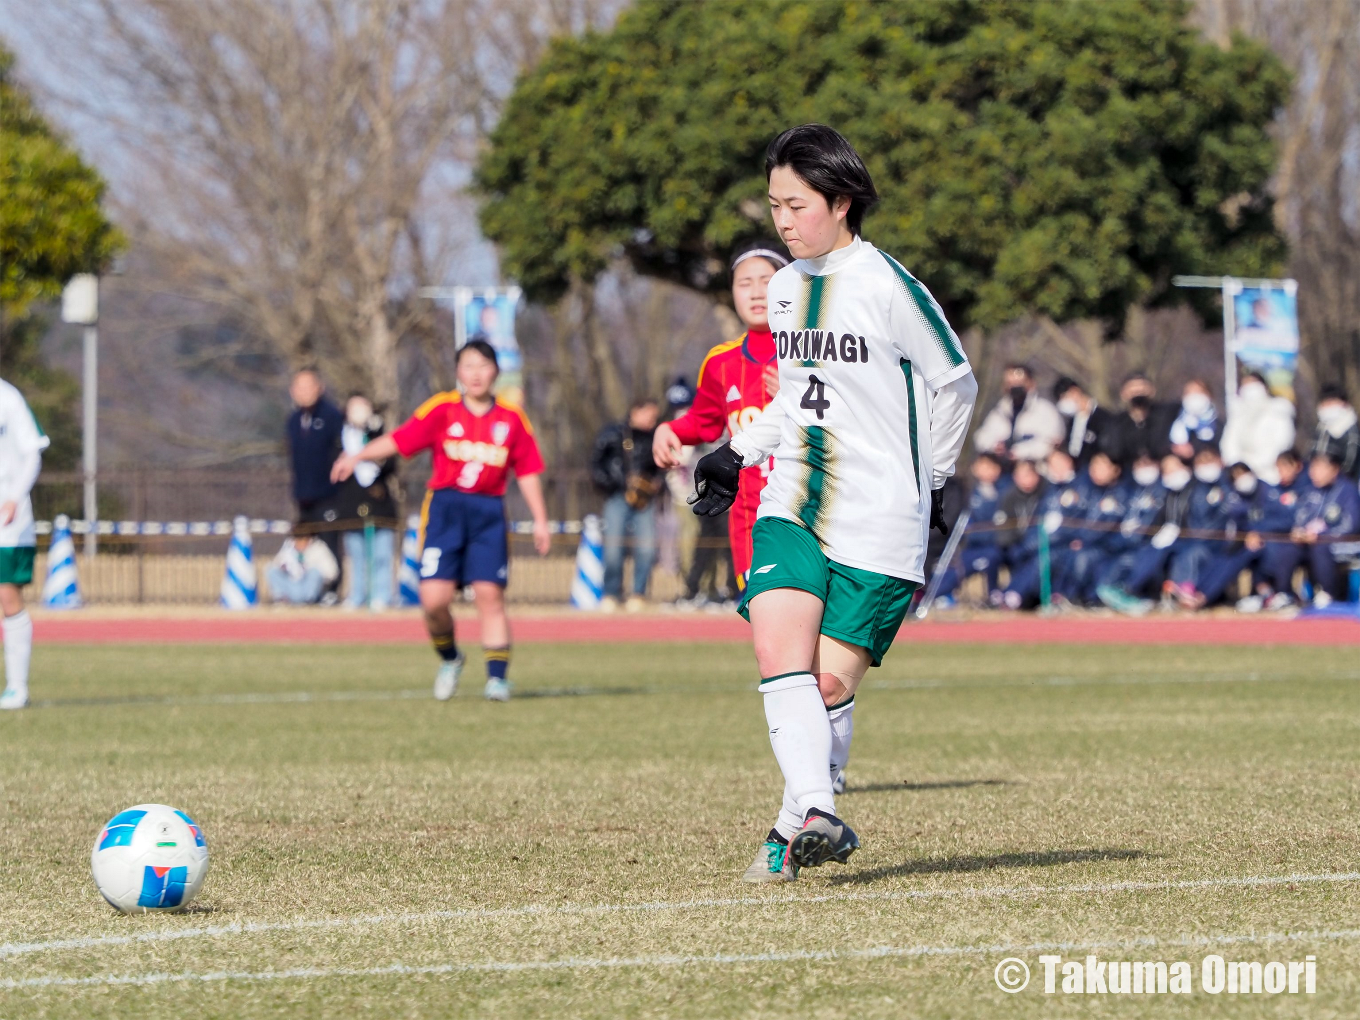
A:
716, 959
305, 697
13, 949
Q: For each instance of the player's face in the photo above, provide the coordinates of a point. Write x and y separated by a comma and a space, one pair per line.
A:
749, 283
807, 224
476, 375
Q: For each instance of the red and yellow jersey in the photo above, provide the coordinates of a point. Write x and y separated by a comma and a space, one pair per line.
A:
730, 393
472, 452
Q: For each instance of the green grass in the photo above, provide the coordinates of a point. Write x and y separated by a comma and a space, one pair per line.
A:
988, 786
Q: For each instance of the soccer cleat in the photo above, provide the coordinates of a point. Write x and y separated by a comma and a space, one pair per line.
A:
13, 699
446, 680
771, 865
822, 838
838, 784
496, 689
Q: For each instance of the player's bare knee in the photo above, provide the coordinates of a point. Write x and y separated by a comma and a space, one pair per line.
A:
832, 688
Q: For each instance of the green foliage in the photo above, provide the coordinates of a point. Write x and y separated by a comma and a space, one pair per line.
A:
51, 223
1050, 157
52, 393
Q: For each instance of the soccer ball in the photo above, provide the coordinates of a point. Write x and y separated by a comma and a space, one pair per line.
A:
149, 857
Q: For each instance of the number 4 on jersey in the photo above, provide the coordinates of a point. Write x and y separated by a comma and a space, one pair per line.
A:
815, 397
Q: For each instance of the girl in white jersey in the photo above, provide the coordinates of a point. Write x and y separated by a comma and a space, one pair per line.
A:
874, 402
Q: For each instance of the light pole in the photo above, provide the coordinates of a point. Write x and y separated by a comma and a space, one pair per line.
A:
80, 304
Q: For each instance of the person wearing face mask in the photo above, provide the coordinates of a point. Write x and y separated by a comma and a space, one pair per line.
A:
1328, 512
1197, 424
979, 553
1144, 426
1145, 502
1211, 524
1022, 425
366, 507
1098, 538
1337, 430
1246, 507
1260, 427
1088, 424
1269, 524
1060, 511
1016, 517
1148, 569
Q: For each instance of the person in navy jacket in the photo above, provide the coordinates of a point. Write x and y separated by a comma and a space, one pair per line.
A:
980, 553
1099, 539
1329, 511
1060, 511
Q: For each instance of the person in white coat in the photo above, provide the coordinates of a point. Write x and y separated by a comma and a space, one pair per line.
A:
1260, 427
1022, 425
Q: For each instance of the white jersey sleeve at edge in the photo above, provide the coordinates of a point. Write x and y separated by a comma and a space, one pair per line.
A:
27, 442
951, 411
758, 440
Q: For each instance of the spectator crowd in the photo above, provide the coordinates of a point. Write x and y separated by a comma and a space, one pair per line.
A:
1164, 502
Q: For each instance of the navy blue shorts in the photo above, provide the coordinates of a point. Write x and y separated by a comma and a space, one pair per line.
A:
463, 538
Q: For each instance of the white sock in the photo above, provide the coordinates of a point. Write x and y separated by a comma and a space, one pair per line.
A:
800, 735
18, 631
842, 719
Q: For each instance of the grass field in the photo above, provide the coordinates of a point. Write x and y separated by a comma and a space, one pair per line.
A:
578, 855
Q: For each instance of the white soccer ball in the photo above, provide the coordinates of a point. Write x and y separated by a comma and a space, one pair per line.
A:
149, 857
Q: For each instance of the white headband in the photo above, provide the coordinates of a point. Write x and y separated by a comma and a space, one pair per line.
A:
779, 260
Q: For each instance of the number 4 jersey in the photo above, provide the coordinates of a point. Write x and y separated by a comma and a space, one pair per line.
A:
472, 452
874, 402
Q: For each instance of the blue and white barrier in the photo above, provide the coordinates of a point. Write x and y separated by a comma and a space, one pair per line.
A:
587, 585
408, 577
240, 589
61, 589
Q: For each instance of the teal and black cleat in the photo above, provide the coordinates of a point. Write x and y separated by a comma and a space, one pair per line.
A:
822, 838
497, 689
771, 864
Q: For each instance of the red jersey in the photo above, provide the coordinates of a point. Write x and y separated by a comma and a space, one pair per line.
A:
730, 393
472, 452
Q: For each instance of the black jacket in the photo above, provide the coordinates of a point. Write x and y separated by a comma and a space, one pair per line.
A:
621, 453
1094, 438
1345, 447
313, 445
357, 506
1128, 439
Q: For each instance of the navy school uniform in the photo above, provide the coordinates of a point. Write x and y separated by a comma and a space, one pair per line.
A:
1067, 500
1147, 567
1213, 510
1333, 512
980, 552
1141, 519
1269, 512
1101, 538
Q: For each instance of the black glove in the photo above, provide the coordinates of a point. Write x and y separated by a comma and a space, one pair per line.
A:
936, 512
716, 477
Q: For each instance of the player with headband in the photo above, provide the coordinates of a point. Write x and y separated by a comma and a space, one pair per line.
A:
875, 396
736, 381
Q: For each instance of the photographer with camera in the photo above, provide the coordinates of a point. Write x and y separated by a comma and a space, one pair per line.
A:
622, 467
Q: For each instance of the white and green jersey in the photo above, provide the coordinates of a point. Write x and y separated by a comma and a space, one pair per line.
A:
874, 402
21, 444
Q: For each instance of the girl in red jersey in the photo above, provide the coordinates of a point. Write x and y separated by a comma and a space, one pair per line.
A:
476, 441
736, 380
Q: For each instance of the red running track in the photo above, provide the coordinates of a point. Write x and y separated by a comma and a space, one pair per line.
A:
226, 628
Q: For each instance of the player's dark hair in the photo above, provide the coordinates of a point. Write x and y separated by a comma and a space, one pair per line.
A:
1332, 392
989, 456
1019, 366
1137, 376
1252, 375
481, 347
826, 163
1332, 457
1290, 457
642, 402
771, 251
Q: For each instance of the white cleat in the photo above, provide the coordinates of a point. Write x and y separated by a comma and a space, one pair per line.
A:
446, 680
496, 689
13, 699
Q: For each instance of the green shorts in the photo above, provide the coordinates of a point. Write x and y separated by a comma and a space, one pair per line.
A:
861, 607
16, 565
